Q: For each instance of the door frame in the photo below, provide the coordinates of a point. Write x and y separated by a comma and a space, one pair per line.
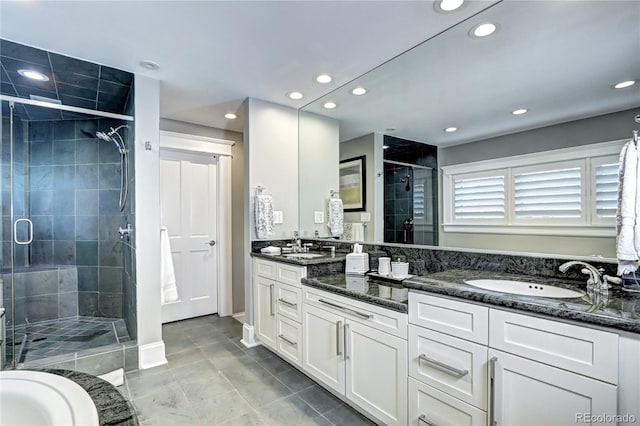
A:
220, 149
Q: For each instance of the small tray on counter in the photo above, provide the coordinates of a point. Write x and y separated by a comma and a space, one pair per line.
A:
388, 278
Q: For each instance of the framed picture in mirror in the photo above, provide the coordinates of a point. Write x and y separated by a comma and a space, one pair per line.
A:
353, 190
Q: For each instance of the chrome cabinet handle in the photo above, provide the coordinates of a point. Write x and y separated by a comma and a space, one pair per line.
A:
338, 340
423, 419
15, 231
443, 367
492, 391
286, 302
287, 340
346, 341
271, 300
360, 314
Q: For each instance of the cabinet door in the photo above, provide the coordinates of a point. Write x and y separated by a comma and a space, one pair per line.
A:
376, 372
289, 340
428, 407
530, 393
323, 347
264, 310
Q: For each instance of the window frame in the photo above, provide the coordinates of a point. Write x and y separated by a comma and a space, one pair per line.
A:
589, 157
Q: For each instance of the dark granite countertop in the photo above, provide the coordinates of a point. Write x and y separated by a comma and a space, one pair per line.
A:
326, 258
363, 288
113, 408
619, 310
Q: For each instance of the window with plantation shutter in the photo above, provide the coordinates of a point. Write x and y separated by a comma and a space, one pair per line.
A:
549, 194
569, 192
606, 176
479, 198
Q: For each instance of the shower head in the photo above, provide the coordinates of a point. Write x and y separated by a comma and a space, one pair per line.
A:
406, 180
107, 137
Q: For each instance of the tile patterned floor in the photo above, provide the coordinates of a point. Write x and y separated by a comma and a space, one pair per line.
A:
212, 379
58, 337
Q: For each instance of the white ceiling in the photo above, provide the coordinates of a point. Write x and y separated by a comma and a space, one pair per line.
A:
558, 59
214, 54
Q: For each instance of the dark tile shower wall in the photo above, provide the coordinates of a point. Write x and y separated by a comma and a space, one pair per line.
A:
398, 202
73, 190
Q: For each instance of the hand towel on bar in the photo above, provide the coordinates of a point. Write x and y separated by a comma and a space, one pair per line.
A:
264, 215
628, 212
169, 291
358, 231
336, 217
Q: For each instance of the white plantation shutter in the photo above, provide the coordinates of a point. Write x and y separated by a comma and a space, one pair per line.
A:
606, 176
418, 201
549, 194
479, 198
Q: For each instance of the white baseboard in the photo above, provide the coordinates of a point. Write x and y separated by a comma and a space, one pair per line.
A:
240, 317
248, 336
151, 355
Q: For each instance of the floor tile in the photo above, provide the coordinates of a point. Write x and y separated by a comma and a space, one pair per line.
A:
222, 407
166, 405
318, 398
249, 419
343, 415
295, 380
262, 392
288, 411
248, 373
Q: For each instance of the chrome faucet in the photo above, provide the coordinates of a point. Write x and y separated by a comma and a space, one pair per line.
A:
597, 279
331, 248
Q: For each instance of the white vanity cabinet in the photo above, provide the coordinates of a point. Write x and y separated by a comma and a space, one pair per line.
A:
474, 365
359, 351
278, 307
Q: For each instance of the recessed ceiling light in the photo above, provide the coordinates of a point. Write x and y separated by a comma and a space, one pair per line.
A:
330, 105
295, 95
483, 30
323, 78
624, 84
230, 116
359, 91
150, 65
519, 111
450, 129
33, 75
448, 5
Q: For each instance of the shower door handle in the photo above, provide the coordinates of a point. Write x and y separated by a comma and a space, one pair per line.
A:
15, 231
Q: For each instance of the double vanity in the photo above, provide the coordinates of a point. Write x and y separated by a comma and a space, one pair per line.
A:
446, 348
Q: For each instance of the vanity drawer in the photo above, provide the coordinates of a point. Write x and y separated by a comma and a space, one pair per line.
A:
289, 301
583, 350
430, 406
265, 268
380, 318
289, 340
290, 274
458, 319
454, 366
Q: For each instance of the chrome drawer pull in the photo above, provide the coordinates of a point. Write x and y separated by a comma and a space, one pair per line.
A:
338, 347
360, 314
287, 340
443, 367
423, 419
286, 302
271, 309
492, 391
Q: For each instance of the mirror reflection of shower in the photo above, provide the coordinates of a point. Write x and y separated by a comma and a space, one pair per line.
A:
114, 137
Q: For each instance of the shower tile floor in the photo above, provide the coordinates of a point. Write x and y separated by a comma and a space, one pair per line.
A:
60, 337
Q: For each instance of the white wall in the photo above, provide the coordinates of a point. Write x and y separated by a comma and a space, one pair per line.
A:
270, 160
271, 140
319, 150
147, 226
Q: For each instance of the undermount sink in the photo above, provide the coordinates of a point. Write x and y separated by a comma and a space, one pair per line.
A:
304, 255
525, 288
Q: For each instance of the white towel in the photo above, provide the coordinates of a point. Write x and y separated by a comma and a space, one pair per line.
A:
169, 291
264, 215
628, 213
358, 231
336, 217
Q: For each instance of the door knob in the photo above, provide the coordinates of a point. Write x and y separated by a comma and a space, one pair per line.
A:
211, 243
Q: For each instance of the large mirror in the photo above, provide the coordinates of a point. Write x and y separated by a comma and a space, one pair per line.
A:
559, 60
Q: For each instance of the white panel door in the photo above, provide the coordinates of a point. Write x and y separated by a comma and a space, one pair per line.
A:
376, 372
188, 205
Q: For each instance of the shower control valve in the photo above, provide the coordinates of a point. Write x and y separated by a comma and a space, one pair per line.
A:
125, 233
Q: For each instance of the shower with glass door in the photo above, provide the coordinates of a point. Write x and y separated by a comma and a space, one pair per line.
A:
68, 292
